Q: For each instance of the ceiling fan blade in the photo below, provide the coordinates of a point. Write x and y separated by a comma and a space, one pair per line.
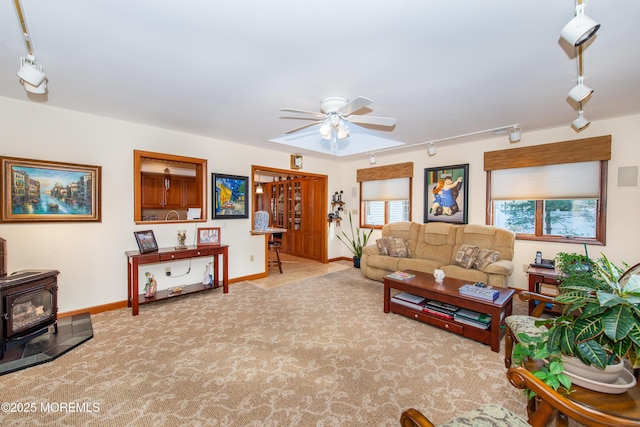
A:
357, 104
313, 113
303, 126
372, 120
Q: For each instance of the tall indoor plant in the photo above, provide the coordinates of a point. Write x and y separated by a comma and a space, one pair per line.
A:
601, 320
356, 241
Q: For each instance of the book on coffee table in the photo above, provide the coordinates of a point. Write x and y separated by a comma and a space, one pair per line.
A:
406, 296
401, 275
418, 305
473, 316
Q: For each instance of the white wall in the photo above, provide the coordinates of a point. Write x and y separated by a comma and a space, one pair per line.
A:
623, 228
90, 256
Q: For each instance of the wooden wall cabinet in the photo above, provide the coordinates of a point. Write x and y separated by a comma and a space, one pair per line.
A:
292, 205
168, 192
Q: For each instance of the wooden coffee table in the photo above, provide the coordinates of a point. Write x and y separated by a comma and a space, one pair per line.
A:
425, 285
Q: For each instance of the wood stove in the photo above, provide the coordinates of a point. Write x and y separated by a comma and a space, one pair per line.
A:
29, 301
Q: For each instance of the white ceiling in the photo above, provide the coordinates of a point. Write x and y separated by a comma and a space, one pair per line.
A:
225, 69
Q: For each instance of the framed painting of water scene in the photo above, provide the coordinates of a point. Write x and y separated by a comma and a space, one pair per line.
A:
229, 196
39, 191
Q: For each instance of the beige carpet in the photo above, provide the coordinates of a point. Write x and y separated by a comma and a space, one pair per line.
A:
319, 352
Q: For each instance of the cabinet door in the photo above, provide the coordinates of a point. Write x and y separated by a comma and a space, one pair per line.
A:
190, 198
152, 190
173, 192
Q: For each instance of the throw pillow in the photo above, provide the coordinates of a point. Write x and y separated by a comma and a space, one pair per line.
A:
485, 258
466, 256
382, 248
397, 247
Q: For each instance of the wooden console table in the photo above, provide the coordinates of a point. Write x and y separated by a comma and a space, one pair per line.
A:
136, 259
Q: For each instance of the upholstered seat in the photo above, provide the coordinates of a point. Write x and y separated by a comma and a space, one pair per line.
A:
516, 324
487, 415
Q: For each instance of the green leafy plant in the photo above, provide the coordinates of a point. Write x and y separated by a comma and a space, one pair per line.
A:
550, 367
356, 241
601, 320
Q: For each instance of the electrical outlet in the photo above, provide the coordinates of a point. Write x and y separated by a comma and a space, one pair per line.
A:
251, 258
167, 271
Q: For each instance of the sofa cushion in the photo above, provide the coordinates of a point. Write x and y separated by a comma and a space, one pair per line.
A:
466, 256
397, 247
382, 247
384, 262
485, 258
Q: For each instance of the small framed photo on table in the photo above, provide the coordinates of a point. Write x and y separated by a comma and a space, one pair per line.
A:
146, 241
209, 236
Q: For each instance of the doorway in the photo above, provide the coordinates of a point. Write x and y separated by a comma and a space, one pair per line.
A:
297, 202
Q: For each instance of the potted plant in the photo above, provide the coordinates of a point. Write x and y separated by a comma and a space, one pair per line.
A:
355, 242
601, 320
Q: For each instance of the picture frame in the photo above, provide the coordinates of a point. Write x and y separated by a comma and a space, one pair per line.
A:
209, 236
229, 196
146, 241
49, 191
446, 194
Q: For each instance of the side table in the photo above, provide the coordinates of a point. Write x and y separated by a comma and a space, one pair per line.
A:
539, 276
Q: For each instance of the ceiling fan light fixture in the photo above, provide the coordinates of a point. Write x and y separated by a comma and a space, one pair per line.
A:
342, 130
580, 29
580, 122
325, 131
580, 92
431, 148
514, 134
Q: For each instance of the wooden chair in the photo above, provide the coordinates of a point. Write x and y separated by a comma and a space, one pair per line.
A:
275, 244
515, 324
548, 403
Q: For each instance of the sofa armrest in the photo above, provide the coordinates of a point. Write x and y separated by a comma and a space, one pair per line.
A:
370, 250
502, 266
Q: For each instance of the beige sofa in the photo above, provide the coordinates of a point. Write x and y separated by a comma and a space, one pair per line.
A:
475, 253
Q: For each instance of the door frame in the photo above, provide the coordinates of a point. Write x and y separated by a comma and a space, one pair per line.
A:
322, 208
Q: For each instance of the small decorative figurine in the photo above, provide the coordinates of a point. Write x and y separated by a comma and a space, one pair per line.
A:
182, 237
207, 278
151, 287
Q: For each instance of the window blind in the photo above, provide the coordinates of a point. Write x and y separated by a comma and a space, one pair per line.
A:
564, 181
386, 189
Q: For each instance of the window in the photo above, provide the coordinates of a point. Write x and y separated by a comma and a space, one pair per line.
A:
541, 199
167, 186
379, 212
385, 194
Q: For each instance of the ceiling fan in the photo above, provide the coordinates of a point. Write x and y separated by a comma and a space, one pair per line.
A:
334, 112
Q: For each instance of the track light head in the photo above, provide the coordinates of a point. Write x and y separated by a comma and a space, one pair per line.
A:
580, 92
31, 72
580, 29
514, 133
431, 148
580, 122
